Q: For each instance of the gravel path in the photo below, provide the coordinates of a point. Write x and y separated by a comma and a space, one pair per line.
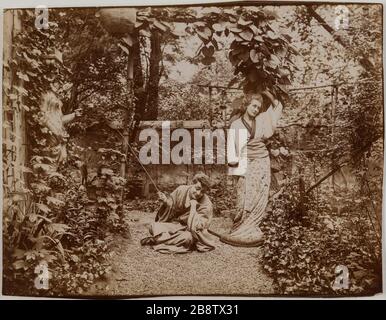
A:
141, 271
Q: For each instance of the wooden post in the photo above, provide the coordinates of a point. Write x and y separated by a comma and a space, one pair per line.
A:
334, 94
210, 105
125, 143
125, 140
146, 188
14, 128
8, 33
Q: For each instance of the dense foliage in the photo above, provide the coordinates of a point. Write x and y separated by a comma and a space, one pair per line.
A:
313, 223
53, 220
304, 245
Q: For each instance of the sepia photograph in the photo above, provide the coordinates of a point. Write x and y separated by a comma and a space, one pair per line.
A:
229, 149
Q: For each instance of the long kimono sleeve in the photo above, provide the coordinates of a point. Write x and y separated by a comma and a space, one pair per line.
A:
236, 142
166, 212
198, 224
271, 118
232, 145
275, 113
201, 218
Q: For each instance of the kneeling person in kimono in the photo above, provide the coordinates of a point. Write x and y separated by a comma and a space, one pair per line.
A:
181, 222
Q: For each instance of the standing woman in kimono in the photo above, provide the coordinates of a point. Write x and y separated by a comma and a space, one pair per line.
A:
248, 158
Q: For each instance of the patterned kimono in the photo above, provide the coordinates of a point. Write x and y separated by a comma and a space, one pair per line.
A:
178, 228
247, 148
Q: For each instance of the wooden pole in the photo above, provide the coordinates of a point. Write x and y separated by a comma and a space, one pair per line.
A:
290, 88
334, 93
125, 139
210, 105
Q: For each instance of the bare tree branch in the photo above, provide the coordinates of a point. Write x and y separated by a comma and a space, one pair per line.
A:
365, 63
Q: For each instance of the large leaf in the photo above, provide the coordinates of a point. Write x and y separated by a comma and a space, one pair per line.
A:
282, 88
282, 52
18, 253
22, 76
40, 187
236, 30
233, 58
21, 90
138, 24
284, 72
284, 80
56, 174
254, 29
128, 40
274, 60
244, 55
42, 166
254, 55
259, 38
210, 10
42, 207
58, 55
54, 201
218, 27
36, 52
26, 169
234, 45
32, 74
159, 25
246, 35
208, 60
167, 25
270, 13
243, 22
145, 33
12, 96
200, 24
238, 38
208, 51
206, 33
19, 264
58, 227
272, 35
230, 12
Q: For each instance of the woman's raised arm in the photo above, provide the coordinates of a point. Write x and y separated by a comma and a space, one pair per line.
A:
276, 108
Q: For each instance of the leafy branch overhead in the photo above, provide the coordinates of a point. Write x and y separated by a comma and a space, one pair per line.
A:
259, 52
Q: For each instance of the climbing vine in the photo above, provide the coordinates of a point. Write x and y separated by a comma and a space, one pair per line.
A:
60, 224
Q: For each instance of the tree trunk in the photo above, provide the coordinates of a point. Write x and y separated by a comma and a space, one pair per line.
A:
138, 74
154, 77
138, 85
